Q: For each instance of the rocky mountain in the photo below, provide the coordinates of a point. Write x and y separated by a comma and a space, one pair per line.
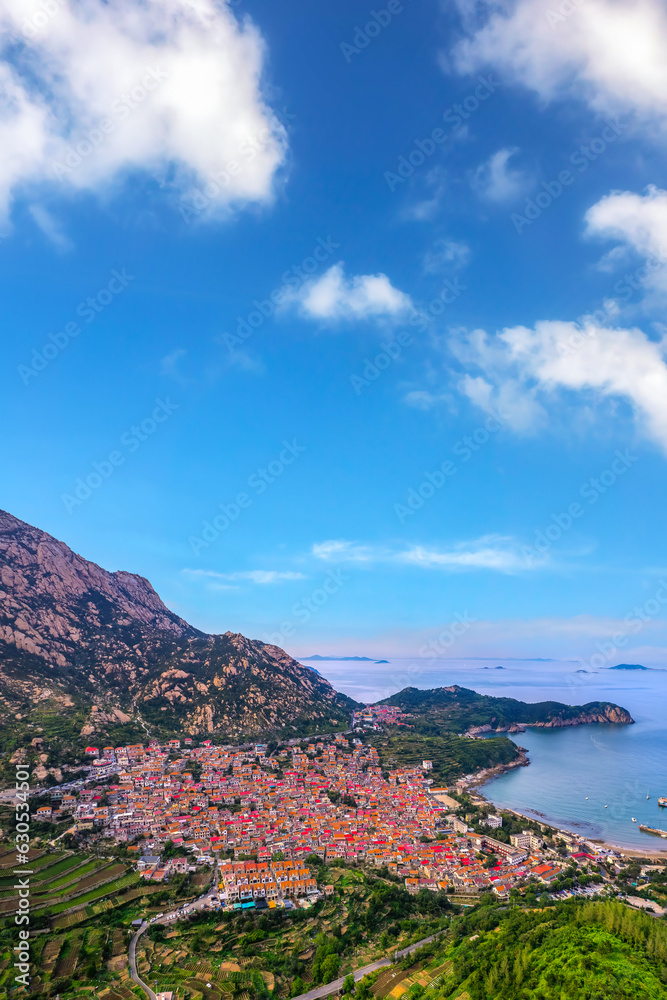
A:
101, 647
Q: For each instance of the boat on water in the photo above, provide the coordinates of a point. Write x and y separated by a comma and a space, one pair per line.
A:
662, 801
634, 820
653, 830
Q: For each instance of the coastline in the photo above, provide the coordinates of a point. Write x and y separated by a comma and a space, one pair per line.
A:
485, 775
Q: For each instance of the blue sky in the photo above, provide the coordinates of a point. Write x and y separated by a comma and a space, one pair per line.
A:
344, 328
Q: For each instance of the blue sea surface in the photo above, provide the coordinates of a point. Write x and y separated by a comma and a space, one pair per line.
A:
574, 773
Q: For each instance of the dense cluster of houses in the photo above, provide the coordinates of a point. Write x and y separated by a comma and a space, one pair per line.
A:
374, 716
261, 815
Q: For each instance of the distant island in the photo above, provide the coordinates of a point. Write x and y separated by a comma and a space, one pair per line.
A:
629, 666
382, 661
355, 659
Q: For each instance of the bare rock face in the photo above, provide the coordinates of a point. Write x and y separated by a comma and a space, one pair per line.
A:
591, 713
74, 632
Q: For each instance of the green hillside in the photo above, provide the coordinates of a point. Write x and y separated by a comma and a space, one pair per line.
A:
595, 951
452, 756
457, 708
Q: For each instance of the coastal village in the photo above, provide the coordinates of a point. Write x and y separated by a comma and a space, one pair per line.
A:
259, 815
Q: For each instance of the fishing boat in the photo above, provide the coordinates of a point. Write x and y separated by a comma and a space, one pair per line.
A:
651, 829
662, 801
634, 820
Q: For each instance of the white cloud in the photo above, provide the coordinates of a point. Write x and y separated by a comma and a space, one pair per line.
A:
259, 576
524, 368
496, 181
639, 222
422, 399
342, 551
612, 53
50, 227
335, 297
493, 552
177, 82
170, 363
445, 255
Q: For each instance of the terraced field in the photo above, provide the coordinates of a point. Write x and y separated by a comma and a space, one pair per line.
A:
35, 856
62, 881
71, 919
58, 867
105, 890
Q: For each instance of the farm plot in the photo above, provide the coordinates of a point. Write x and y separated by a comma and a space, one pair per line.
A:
50, 953
59, 866
70, 919
105, 890
79, 885
68, 957
35, 856
73, 876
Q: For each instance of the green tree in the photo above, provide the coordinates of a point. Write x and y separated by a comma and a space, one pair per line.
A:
329, 968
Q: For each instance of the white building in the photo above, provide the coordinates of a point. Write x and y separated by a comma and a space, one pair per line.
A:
526, 839
495, 822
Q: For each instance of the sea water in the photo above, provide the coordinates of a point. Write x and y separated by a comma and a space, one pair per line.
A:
588, 779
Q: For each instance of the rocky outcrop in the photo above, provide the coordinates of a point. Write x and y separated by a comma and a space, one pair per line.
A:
606, 713
76, 635
600, 712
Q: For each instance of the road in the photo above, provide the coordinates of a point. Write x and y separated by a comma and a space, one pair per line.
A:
337, 984
321, 991
133, 962
199, 904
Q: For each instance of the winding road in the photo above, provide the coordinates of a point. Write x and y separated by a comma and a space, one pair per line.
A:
133, 962
315, 994
337, 984
199, 904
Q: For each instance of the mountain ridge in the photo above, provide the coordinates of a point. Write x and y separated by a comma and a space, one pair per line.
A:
84, 637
